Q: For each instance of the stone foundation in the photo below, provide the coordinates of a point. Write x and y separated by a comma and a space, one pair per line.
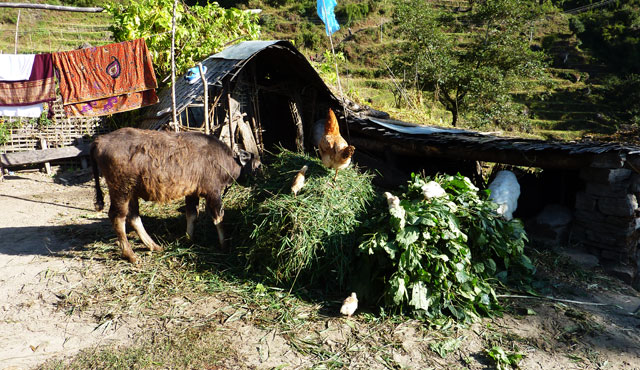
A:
607, 217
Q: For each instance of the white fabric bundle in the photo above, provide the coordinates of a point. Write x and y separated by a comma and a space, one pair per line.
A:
16, 67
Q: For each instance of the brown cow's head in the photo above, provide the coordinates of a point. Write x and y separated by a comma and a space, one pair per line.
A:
250, 164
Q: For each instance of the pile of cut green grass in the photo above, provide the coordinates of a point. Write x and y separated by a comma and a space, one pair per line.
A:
310, 237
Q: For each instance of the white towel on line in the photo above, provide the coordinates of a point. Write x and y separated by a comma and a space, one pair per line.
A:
16, 67
30, 111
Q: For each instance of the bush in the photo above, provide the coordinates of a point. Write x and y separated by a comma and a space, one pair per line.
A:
354, 12
576, 26
623, 95
503, 113
548, 41
310, 238
308, 36
436, 258
613, 35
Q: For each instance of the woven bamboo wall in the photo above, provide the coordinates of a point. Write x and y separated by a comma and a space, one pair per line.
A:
60, 132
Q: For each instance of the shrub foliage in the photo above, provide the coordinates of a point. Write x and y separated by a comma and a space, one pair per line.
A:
200, 30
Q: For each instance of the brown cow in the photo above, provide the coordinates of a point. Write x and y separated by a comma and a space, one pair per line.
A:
163, 166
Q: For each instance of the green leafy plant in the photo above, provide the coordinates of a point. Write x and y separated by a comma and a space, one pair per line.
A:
504, 360
200, 30
327, 68
436, 257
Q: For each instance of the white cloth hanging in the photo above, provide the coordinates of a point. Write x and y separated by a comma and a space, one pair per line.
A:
30, 111
16, 67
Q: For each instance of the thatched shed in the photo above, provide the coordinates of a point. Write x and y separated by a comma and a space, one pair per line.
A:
266, 91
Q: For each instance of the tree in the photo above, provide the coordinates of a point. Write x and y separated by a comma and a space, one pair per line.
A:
472, 59
613, 35
200, 30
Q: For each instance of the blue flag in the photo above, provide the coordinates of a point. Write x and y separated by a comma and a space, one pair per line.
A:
325, 12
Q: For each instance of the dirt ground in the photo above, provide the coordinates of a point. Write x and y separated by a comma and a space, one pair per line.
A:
40, 217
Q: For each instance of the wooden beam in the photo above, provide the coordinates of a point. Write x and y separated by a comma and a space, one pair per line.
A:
52, 7
41, 156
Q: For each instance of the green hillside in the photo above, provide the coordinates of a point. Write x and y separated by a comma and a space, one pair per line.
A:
50, 31
573, 106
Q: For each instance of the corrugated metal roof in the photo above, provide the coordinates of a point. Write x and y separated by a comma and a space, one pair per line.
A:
243, 50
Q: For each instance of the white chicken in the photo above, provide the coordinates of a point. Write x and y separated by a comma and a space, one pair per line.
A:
505, 191
298, 181
349, 305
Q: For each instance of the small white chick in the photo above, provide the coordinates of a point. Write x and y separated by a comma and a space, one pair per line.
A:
298, 181
349, 305
395, 209
433, 190
392, 200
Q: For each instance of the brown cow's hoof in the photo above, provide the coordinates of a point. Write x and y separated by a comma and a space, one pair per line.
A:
157, 248
131, 257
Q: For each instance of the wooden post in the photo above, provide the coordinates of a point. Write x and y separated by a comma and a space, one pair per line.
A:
83, 160
173, 66
297, 119
47, 165
206, 100
15, 43
256, 110
230, 119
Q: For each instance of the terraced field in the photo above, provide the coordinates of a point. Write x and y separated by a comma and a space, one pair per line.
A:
41, 31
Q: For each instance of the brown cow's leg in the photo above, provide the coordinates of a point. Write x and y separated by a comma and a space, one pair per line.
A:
191, 210
118, 215
136, 223
214, 204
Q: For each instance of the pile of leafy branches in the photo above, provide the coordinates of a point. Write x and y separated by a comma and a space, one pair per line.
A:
311, 237
437, 257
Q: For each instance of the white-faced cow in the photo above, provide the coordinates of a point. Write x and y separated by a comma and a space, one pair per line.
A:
163, 166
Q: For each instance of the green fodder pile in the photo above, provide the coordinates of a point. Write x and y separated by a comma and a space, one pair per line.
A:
310, 237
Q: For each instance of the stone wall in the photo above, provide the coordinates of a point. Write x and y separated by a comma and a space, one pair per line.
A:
607, 217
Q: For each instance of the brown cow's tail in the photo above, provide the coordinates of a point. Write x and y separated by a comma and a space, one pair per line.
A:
96, 176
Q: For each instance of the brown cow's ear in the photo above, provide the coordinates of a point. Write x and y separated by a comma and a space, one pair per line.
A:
244, 157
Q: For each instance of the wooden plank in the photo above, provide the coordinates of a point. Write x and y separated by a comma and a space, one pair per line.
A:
52, 7
41, 156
